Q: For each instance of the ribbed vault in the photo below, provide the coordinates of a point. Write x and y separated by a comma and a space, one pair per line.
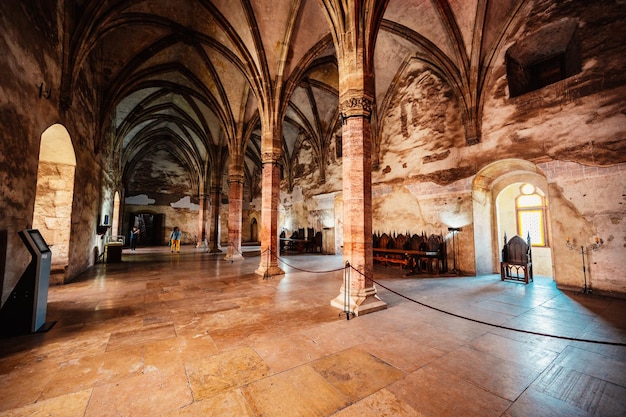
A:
197, 78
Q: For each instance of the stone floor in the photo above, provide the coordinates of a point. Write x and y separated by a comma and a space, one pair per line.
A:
190, 334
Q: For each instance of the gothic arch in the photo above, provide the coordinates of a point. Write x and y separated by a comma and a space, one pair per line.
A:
487, 185
55, 193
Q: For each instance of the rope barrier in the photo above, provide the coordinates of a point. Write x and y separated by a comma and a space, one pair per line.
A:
347, 311
282, 261
574, 339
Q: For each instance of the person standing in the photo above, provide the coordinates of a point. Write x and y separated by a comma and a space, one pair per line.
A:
175, 239
134, 236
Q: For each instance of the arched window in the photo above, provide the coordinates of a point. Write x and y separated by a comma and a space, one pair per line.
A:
530, 207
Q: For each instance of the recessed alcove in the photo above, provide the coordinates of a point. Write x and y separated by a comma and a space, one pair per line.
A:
545, 57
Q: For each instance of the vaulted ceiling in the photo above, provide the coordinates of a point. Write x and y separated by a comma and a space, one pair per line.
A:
186, 77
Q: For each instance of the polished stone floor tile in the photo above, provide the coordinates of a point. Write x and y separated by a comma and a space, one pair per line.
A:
402, 352
298, 392
282, 352
380, 404
149, 394
218, 373
122, 340
78, 373
70, 405
437, 393
193, 335
227, 404
536, 403
527, 352
585, 392
508, 382
356, 373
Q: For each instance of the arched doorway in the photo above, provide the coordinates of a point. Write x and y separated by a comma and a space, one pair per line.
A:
493, 216
254, 231
115, 224
55, 193
522, 209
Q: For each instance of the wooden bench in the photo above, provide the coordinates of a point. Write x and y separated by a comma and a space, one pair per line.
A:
516, 258
417, 253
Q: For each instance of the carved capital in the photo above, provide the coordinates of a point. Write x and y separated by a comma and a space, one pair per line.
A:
270, 158
361, 106
236, 178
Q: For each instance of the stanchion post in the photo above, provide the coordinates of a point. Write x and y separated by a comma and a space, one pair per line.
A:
346, 292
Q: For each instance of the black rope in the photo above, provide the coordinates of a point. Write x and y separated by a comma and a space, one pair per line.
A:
575, 339
347, 277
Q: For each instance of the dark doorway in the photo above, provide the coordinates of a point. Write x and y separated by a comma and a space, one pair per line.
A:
151, 227
254, 231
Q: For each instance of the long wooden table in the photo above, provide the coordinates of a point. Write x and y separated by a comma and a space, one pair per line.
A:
294, 244
409, 257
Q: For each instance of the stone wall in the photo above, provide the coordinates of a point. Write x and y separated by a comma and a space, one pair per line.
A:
30, 102
573, 132
53, 208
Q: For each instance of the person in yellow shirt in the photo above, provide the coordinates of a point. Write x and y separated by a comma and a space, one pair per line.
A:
175, 239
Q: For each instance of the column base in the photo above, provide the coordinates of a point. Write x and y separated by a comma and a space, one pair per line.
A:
233, 257
270, 271
362, 301
215, 250
202, 244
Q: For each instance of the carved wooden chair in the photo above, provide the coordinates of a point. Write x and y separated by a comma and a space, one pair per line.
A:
433, 264
399, 242
516, 259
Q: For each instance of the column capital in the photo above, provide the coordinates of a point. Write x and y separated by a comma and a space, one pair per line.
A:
270, 158
356, 105
236, 178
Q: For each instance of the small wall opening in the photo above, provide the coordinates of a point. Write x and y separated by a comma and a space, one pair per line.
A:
54, 197
545, 57
115, 223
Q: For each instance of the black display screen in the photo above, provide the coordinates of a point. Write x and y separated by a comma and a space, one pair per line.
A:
38, 239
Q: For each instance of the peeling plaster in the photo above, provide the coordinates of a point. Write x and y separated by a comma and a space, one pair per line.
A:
141, 199
185, 202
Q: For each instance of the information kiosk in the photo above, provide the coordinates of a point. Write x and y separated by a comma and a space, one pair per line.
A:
25, 309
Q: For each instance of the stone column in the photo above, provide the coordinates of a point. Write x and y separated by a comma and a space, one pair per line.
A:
214, 241
235, 210
202, 218
356, 110
269, 216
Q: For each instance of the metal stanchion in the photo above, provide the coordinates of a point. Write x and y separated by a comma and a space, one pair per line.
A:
346, 293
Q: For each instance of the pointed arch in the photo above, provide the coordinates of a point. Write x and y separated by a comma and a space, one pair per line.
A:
488, 183
55, 193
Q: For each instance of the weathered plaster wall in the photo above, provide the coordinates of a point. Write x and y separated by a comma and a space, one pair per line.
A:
30, 57
426, 169
185, 218
80, 121
586, 202
160, 185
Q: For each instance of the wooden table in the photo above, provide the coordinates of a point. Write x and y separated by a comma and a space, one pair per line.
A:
410, 257
294, 244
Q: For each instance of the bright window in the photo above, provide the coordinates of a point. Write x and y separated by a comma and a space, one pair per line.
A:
530, 207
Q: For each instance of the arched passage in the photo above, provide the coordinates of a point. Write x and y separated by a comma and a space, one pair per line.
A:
488, 184
115, 224
254, 230
55, 192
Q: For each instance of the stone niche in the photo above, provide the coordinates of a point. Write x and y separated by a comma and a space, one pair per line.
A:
551, 54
